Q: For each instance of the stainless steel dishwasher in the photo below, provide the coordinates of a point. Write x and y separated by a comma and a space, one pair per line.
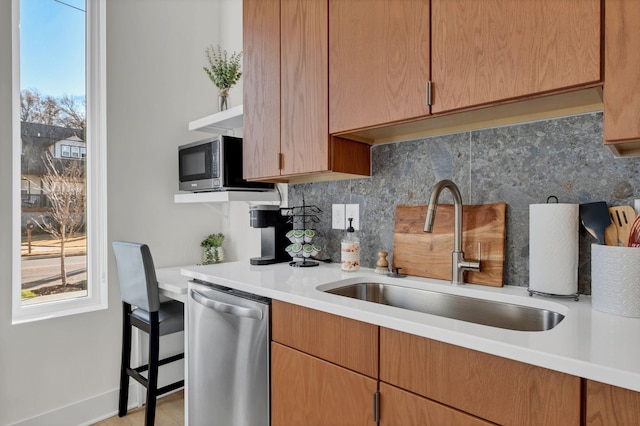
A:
228, 357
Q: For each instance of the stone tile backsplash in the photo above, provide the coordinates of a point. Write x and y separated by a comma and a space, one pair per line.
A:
518, 165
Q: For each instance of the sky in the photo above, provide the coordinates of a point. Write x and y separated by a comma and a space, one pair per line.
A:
52, 47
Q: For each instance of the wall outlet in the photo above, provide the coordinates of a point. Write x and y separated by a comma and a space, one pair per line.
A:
337, 216
353, 210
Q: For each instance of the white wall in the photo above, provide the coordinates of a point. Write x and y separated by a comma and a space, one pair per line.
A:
155, 85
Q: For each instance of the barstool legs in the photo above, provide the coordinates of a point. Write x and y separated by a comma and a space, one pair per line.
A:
126, 360
152, 328
154, 359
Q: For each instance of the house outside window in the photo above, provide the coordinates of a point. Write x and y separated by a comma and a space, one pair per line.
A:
59, 226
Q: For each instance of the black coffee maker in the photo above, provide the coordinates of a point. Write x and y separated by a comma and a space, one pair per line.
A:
273, 227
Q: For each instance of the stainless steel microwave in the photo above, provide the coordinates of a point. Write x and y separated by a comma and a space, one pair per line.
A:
214, 164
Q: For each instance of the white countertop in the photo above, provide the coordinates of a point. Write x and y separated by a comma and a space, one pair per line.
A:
587, 343
172, 283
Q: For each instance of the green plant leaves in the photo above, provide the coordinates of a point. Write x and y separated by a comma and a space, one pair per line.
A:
224, 70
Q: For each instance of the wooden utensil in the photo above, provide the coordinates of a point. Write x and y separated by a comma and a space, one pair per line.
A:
429, 255
634, 233
595, 218
611, 235
622, 217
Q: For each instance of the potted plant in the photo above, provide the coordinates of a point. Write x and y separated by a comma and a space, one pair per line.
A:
224, 72
213, 252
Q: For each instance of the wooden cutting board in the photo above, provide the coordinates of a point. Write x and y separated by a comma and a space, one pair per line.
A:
429, 255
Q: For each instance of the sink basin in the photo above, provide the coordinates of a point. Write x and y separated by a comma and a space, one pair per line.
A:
479, 311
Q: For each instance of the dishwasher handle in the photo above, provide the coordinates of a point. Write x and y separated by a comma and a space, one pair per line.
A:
226, 308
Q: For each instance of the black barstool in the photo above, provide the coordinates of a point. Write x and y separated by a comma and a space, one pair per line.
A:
142, 308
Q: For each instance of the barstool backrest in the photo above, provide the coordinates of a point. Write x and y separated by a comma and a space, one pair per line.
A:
137, 275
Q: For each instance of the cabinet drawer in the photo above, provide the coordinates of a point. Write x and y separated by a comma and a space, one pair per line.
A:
346, 342
497, 389
611, 405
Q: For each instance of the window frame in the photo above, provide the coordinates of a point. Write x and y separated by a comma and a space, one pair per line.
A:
96, 161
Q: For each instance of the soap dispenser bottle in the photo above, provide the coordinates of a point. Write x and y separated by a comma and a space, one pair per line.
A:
350, 250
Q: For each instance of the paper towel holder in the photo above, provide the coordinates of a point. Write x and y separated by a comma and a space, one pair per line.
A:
575, 296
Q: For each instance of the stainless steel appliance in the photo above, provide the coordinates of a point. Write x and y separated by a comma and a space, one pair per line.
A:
228, 357
273, 234
214, 164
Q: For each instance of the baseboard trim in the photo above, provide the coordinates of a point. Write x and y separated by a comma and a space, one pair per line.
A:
83, 413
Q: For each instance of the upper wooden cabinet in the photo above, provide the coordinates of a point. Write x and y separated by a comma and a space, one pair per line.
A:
488, 51
482, 55
621, 69
286, 95
261, 97
304, 94
378, 62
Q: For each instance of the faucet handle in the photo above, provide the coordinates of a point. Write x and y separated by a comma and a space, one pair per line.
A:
467, 265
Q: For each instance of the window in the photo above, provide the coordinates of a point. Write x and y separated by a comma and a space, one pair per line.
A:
66, 151
59, 158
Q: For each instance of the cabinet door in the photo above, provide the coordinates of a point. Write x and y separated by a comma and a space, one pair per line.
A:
378, 62
261, 72
622, 78
399, 407
308, 391
487, 51
496, 389
611, 405
304, 86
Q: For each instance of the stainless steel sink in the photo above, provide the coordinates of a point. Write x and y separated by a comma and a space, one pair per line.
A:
479, 311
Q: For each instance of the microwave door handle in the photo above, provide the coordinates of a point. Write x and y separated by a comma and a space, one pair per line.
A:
226, 308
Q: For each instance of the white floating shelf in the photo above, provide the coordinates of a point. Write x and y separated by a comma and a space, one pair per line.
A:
224, 196
219, 123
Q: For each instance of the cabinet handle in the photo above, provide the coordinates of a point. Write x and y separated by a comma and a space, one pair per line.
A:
280, 161
429, 93
376, 406
227, 308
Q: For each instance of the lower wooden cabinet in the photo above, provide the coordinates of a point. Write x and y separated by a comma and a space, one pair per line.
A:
309, 391
326, 369
497, 389
399, 407
343, 341
610, 405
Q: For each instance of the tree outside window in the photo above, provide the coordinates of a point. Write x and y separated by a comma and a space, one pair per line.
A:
54, 205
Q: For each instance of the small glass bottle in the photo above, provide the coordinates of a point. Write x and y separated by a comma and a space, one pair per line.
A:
350, 250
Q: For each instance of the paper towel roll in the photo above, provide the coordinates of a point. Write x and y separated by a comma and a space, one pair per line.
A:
553, 248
